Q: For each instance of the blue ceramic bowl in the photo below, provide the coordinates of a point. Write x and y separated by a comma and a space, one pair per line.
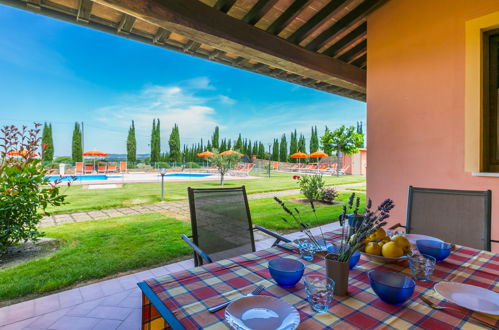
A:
393, 288
354, 259
438, 250
286, 272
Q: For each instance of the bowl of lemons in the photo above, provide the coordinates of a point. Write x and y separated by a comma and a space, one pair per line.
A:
385, 249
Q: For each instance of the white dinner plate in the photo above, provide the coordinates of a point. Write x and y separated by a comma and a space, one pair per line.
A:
261, 312
412, 238
469, 296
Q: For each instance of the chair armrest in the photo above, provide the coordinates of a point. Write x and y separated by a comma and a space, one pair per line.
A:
278, 237
395, 226
196, 249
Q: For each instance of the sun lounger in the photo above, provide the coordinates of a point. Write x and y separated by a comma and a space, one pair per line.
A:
112, 167
102, 168
343, 170
79, 168
88, 168
123, 167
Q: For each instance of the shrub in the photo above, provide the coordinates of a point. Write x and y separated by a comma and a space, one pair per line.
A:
162, 165
311, 186
63, 159
24, 190
131, 166
192, 165
329, 194
144, 166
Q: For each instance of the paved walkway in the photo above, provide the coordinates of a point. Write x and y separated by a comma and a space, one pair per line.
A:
111, 304
178, 209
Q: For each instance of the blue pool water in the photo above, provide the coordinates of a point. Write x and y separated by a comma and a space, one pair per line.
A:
82, 178
188, 175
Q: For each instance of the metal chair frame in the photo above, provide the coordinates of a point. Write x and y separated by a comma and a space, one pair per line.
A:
487, 194
200, 257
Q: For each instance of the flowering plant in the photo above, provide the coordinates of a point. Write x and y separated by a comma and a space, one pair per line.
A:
304, 227
369, 222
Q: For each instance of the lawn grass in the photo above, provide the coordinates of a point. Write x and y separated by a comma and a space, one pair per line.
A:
95, 249
358, 188
79, 199
267, 213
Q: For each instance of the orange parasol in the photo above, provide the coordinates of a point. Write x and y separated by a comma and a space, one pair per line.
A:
318, 154
21, 153
299, 155
206, 154
229, 152
95, 153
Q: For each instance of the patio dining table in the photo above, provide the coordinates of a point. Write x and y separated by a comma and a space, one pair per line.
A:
181, 300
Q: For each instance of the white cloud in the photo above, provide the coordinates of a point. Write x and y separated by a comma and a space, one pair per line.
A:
226, 100
171, 104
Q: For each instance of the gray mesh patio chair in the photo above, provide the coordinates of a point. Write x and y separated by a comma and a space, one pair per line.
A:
456, 216
221, 224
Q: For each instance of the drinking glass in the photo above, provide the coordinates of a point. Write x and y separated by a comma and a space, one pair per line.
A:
422, 266
319, 289
307, 248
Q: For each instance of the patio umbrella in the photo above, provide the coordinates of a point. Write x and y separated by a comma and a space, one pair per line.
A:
205, 154
94, 154
21, 153
318, 154
299, 155
229, 152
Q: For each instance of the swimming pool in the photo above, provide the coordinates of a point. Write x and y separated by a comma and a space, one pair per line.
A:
83, 178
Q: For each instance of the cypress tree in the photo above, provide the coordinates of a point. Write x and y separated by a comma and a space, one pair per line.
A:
293, 146
47, 143
174, 144
261, 151
360, 130
155, 141
131, 145
255, 149
314, 140
76, 147
275, 150
208, 146
223, 145
302, 144
239, 143
283, 149
215, 139
229, 144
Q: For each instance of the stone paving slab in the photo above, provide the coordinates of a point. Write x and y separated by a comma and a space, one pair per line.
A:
109, 304
176, 209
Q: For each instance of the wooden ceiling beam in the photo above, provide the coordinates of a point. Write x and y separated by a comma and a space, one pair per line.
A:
313, 23
126, 24
84, 10
352, 52
258, 11
34, 4
160, 36
360, 61
204, 24
342, 43
224, 5
350, 18
287, 16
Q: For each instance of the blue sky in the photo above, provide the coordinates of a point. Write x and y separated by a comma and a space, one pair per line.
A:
61, 73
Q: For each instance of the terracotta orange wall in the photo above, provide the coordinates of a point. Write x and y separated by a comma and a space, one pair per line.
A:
415, 100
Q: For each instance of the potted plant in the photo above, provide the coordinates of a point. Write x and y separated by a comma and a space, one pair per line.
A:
352, 238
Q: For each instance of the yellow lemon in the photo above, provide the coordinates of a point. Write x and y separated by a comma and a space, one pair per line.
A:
381, 243
379, 233
373, 248
392, 250
401, 241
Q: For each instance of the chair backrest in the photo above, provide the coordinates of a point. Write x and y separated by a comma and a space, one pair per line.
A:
456, 216
221, 221
79, 167
123, 166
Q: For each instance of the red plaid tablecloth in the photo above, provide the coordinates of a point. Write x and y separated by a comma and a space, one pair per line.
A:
188, 294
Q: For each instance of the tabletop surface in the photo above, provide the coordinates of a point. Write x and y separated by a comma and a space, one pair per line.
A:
188, 294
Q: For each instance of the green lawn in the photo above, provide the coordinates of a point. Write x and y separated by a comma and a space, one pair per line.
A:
145, 193
267, 213
359, 188
96, 249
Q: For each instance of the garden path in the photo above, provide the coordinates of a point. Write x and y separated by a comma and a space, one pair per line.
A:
175, 209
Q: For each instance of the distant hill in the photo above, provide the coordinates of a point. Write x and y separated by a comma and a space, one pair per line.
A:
123, 156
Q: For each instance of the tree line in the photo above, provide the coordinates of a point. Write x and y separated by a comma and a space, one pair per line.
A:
279, 150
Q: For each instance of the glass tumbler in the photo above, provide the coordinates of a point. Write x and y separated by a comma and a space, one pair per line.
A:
319, 289
307, 248
422, 266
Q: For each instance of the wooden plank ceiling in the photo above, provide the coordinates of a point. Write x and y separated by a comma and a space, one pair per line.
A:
321, 44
